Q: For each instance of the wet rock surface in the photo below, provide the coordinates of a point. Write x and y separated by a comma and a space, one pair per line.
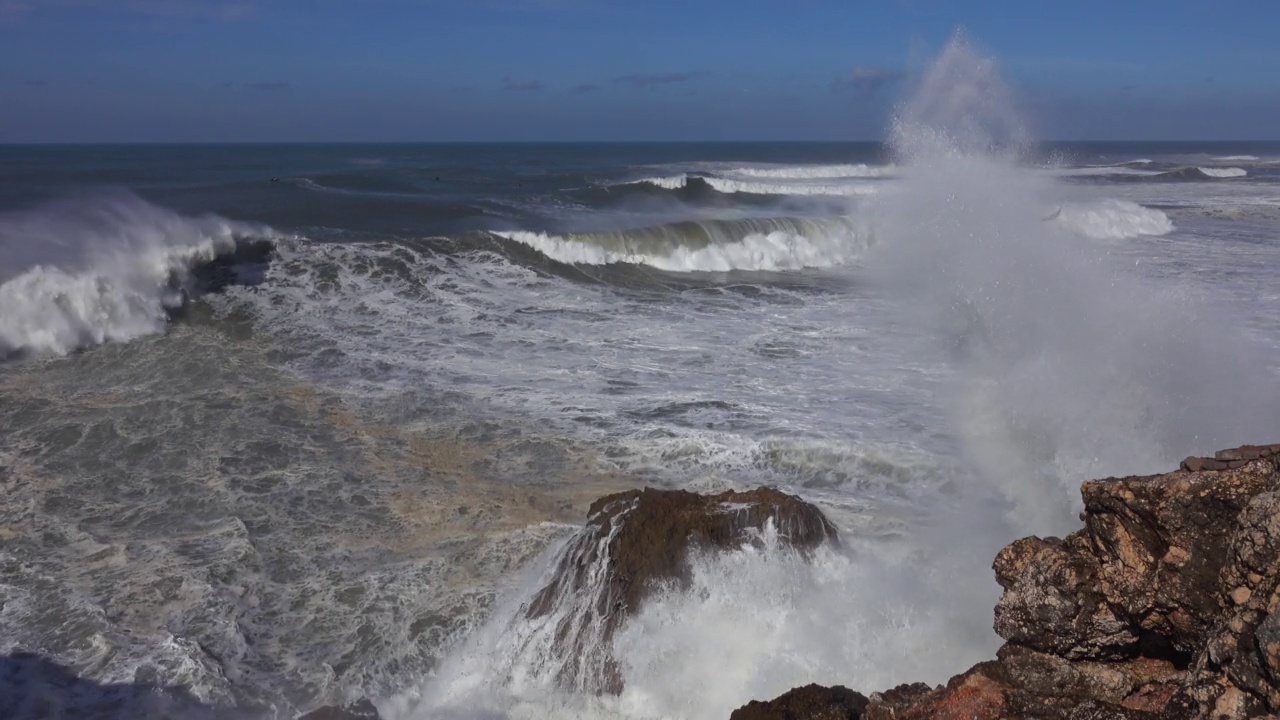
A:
1165, 606
636, 543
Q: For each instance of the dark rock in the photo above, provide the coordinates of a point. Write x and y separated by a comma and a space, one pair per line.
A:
811, 702
360, 710
638, 541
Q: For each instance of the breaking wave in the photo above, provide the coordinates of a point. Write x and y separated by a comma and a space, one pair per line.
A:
1230, 172
1113, 220
710, 246
80, 273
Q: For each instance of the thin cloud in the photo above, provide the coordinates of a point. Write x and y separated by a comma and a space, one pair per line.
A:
511, 85
867, 81
269, 87
650, 82
35, 84
585, 88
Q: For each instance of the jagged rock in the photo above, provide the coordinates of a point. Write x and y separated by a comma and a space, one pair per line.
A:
1166, 605
637, 541
811, 702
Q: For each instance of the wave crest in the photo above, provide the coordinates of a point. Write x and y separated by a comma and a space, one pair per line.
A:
1113, 220
710, 246
109, 268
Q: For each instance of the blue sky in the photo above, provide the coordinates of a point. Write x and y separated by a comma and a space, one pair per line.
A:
385, 70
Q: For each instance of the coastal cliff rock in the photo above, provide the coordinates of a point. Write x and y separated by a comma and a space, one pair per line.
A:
1165, 606
637, 542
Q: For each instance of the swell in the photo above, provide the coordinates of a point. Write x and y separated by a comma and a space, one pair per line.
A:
752, 244
112, 267
758, 185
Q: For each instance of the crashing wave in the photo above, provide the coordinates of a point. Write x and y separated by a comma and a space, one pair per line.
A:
1113, 220
710, 246
1237, 158
1229, 172
672, 182
111, 268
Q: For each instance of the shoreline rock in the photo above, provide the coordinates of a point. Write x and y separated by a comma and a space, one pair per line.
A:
1165, 605
634, 544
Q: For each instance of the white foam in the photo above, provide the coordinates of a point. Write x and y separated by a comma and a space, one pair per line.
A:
729, 185
802, 172
754, 622
102, 270
1229, 172
669, 182
1113, 219
777, 250
1237, 158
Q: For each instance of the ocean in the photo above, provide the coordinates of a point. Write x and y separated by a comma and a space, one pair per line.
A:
289, 425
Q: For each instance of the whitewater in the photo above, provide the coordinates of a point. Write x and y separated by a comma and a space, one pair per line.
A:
277, 445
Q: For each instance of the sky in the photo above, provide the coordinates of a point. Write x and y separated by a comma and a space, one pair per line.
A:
586, 70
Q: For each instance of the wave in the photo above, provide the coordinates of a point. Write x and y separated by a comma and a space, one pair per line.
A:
1237, 158
1113, 220
672, 182
710, 246
1230, 172
731, 186
79, 273
804, 172
1120, 169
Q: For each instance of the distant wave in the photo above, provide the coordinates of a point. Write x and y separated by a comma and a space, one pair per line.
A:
1113, 219
710, 246
109, 268
1121, 169
755, 187
859, 170
1230, 172
1237, 158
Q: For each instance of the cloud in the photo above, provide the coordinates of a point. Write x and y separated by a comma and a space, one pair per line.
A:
35, 84
867, 81
649, 82
269, 87
585, 88
511, 85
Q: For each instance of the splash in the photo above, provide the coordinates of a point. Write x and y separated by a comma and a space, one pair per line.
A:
1071, 364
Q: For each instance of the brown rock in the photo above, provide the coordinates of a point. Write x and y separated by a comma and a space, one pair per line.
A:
637, 541
1165, 605
811, 702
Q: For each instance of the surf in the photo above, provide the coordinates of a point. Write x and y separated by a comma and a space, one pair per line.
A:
112, 267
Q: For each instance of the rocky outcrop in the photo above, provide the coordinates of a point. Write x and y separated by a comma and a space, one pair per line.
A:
811, 701
637, 542
1164, 606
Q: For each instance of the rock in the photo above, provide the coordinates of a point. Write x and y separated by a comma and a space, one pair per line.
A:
360, 710
637, 541
811, 702
1166, 605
